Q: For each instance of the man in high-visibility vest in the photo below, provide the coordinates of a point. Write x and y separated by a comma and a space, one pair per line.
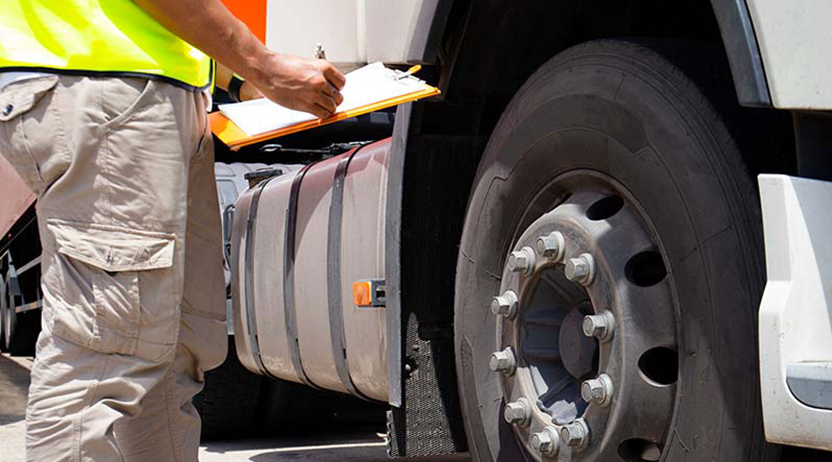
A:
103, 114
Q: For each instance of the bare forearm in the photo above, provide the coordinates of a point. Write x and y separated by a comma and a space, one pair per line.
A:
209, 26
298, 83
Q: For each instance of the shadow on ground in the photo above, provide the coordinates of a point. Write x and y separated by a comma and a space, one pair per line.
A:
317, 428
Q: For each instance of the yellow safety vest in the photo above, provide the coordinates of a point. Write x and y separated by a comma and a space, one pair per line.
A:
107, 37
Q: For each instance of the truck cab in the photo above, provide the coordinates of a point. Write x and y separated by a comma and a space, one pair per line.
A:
602, 241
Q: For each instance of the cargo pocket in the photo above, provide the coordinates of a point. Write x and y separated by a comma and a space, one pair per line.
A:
123, 98
119, 289
31, 135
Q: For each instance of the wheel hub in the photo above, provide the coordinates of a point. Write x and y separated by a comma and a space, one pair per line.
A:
586, 311
577, 351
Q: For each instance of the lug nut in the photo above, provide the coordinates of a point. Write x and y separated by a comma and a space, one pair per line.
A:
518, 412
505, 305
600, 326
521, 261
575, 434
503, 361
598, 391
581, 269
546, 442
551, 246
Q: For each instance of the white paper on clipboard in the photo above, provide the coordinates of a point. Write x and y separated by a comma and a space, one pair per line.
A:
368, 85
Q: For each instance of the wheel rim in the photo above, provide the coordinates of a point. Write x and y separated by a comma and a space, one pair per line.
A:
6, 307
587, 326
7, 324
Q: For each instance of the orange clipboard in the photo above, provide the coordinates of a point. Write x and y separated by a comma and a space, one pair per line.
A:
235, 138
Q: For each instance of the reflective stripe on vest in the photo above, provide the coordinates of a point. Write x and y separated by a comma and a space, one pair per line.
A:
108, 36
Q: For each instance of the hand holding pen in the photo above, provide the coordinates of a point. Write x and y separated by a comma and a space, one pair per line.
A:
302, 84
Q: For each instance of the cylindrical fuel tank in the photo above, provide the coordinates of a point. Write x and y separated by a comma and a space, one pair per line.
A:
299, 242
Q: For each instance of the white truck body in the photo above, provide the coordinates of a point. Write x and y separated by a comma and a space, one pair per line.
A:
795, 327
794, 40
791, 37
353, 32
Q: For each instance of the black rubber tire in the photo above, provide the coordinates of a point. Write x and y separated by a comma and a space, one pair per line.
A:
20, 329
662, 119
228, 402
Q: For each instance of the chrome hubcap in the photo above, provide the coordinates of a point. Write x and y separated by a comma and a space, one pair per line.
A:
590, 323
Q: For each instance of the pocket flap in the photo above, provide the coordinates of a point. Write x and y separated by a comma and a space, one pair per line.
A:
112, 248
19, 97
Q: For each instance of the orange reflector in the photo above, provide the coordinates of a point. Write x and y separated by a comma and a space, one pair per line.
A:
361, 295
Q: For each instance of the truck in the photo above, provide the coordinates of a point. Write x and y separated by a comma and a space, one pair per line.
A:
606, 240
18, 223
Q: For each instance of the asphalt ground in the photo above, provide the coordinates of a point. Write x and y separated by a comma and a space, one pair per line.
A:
352, 443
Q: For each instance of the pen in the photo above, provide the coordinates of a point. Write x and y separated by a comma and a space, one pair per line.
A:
319, 52
409, 72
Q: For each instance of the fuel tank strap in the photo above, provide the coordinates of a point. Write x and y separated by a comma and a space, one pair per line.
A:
289, 277
254, 340
333, 260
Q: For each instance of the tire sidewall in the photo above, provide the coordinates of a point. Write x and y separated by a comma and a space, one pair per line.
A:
656, 135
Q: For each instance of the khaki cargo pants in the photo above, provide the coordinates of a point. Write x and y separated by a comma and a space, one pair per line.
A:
133, 289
